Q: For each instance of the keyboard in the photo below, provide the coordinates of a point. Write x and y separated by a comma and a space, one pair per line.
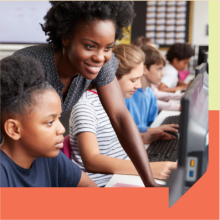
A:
172, 120
165, 150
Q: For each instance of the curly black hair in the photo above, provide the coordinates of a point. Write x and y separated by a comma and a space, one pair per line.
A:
63, 17
22, 78
180, 51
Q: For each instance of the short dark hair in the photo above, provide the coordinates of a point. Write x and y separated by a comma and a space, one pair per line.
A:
180, 51
141, 41
152, 56
21, 79
63, 17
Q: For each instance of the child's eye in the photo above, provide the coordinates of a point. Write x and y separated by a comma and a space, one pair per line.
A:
133, 81
88, 46
49, 123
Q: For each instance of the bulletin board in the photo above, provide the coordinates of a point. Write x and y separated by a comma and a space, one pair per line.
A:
126, 38
168, 22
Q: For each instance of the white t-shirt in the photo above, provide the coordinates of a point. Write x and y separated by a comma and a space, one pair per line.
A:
170, 78
88, 115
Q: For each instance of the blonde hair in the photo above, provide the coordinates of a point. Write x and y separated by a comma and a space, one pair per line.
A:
129, 56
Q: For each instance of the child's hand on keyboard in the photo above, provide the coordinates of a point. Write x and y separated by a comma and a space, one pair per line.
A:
155, 134
161, 170
169, 127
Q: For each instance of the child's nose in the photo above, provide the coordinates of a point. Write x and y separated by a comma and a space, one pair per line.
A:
60, 129
138, 85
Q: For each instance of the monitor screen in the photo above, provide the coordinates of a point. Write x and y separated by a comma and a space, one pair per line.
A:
20, 21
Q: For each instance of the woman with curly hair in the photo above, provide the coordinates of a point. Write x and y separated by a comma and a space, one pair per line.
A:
79, 53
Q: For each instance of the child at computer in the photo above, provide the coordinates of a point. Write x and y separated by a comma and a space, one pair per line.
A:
94, 143
178, 57
162, 97
33, 134
143, 104
153, 71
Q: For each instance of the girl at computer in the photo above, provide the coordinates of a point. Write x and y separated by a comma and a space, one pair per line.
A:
33, 134
94, 143
81, 37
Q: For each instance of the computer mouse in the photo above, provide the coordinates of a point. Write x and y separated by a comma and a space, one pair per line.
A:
175, 134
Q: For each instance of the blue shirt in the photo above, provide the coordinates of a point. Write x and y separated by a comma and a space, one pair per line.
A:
143, 108
44, 172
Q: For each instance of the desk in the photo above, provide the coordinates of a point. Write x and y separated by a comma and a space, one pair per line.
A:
136, 180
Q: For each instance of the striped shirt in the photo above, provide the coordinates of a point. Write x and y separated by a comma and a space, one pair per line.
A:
88, 115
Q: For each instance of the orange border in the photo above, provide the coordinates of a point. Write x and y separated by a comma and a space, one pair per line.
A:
200, 202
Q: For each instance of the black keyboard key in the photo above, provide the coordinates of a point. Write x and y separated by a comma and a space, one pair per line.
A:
169, 153
162, 157
174, 156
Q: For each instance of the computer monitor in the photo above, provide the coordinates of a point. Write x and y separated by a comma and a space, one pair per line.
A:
201, 68
176, 183
193, 131
201, 55
206, 60
206, 57
193, 141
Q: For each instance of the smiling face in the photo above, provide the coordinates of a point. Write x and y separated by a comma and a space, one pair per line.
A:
90, 48
154, 74
42, 131
129, 83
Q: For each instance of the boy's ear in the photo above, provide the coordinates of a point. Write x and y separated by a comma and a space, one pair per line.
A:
65, 40
145, 70
12, 129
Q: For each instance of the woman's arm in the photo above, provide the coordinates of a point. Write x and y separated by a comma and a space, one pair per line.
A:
126, 129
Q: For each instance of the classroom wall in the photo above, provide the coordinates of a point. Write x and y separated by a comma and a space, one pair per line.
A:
199, 37
200, 20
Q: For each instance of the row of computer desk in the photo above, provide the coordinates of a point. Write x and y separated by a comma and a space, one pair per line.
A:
136, 180
190, 148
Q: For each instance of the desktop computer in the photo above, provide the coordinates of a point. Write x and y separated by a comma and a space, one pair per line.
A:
176, 184
168, 150
193, 141
202, 54
194, 132
201, 68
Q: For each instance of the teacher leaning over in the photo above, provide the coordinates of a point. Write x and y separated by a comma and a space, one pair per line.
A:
79, 52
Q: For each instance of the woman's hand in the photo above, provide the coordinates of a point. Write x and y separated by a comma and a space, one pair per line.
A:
161, 170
